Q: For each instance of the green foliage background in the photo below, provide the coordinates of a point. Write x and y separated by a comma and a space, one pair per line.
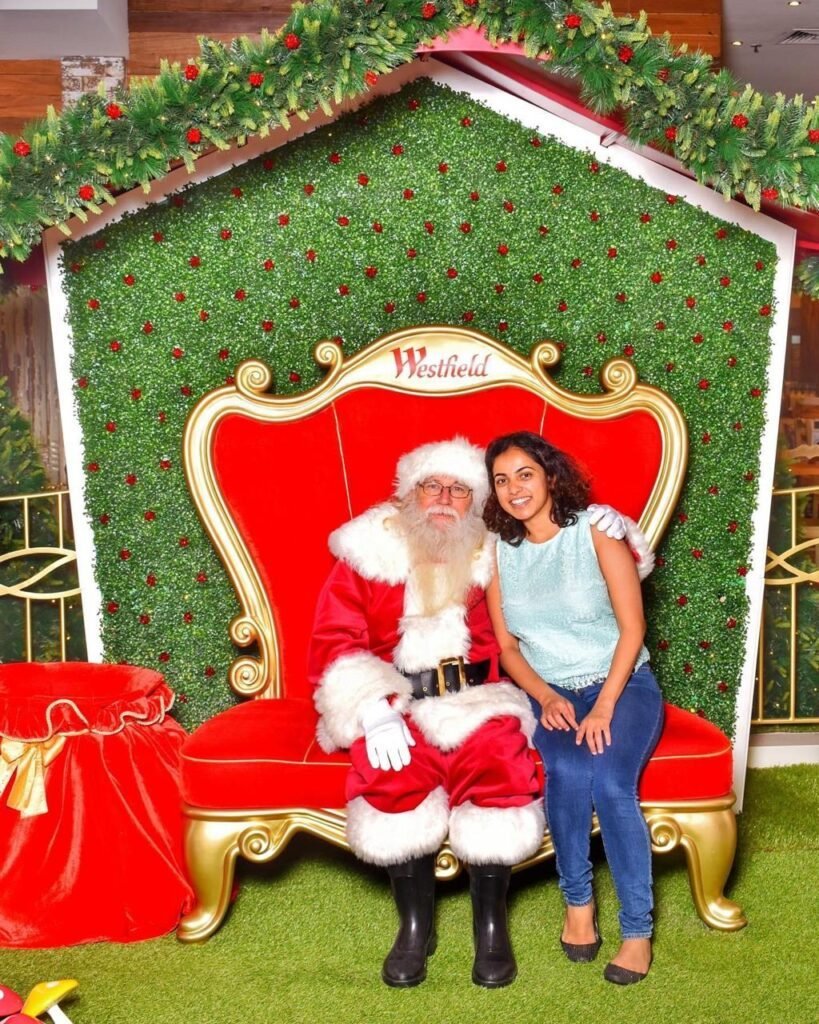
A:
550, 206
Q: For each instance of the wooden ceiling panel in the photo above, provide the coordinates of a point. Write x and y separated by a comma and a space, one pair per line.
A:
26, 89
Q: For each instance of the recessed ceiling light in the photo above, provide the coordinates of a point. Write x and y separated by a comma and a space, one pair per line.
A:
794, 3
736, 42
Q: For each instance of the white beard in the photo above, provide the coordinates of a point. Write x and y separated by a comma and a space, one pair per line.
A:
441, 556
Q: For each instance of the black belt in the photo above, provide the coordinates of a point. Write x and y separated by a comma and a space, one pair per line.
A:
449, 676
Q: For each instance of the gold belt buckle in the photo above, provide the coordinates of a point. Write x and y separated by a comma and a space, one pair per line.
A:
442, 678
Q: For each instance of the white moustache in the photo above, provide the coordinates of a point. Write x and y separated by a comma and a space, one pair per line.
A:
441, 510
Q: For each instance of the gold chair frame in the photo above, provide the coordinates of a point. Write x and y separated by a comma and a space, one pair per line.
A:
705, 829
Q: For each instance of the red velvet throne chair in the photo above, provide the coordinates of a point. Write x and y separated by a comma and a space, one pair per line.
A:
272, 477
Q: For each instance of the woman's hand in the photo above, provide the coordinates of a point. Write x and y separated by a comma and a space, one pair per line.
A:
595, 729
557, 712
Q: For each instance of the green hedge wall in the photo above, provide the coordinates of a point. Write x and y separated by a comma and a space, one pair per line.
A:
425, 207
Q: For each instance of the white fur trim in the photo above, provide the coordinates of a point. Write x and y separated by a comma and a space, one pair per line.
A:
496, 835
638, 542
447, 721
372, 546
348, 684
428, 639
458, 458
379, 837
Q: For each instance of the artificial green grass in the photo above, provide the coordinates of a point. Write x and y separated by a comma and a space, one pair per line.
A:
305, 941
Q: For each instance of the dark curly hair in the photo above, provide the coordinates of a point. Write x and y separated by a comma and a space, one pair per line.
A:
568, 488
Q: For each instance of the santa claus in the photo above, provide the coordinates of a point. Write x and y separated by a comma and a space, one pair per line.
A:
405, 668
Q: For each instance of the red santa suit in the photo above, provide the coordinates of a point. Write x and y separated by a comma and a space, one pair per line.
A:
471, 775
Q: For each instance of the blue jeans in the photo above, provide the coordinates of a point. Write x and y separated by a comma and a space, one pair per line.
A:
577, 781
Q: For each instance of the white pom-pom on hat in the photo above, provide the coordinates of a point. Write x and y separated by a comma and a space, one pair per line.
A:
458, 458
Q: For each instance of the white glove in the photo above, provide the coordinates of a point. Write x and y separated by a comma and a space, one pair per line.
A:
608, 520
387, 737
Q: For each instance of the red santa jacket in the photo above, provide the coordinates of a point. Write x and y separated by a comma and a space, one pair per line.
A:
369, 630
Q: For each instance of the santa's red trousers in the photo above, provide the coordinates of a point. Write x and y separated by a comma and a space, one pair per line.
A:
493, 767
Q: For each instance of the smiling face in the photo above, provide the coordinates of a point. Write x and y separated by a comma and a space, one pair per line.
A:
522, 488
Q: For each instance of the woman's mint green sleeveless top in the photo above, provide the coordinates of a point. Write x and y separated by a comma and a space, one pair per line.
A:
555, 601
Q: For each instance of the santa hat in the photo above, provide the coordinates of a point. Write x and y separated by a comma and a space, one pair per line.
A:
456, 458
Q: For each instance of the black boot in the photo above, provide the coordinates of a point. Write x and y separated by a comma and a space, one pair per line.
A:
413, 887
494, 964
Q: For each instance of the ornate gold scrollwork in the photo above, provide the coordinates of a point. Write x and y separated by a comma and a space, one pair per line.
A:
61, 557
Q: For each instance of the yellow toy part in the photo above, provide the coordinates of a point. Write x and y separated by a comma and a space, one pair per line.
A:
46, 997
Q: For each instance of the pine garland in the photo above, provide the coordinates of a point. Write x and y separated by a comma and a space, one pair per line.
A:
735, 139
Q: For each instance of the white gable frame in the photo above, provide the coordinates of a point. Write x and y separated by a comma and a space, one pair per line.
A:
540, 113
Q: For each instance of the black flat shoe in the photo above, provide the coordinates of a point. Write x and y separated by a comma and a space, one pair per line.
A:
583, 952
622, 975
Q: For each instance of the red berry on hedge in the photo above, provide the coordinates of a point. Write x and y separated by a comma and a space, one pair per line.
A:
115, 345
656, 277
191, 72
225, 234
739, 121
671, 133
770, 193
195, 261
255, 78
193, 135
309, 189
334, 158
765, 310
370, 77
408, 193
389, 307
93, 303
663, 74
21, 148
292, 41
428, 11
624, 54
114, 111
573, 21
86, 192
294, 377
612, 253
284, 219
501, 166
725, 281
363, 179
397, 149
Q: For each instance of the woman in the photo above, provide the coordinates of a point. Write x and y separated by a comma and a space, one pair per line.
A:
567, 611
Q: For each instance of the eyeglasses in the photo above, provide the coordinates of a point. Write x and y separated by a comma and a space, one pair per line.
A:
434, 488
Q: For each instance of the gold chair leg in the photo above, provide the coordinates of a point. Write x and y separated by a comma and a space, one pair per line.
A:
707, 832
211, 848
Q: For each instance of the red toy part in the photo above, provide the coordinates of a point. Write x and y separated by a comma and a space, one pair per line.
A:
10, 1001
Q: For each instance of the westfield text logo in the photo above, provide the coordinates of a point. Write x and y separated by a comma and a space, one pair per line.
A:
414, 362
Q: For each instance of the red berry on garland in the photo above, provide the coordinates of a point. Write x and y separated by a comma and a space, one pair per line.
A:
411, 254
713, 490
149, 516
115, 345
656, 277
225, 234
538, 278
93, 303
100, 243
602, 337
452, 273
662, 645
503, 249
671, 133
180, 296
698, 338
421, 296
645, 218
669, 367
682, 600
191, 72
370, 271
731, 623
144, 619
691, 302
187, 617
363, 179
310, 255
573, 21
624, 54
594, 167
202, 577
612, 253
370, 77
82, 382
164, 656
389, 307
748, 477
465, 227
576, 263
414, 104
705, 645
621, 297
474, 196
343, 221
671, 200
195, 261
588, 371
543, 230
443, 168
269, 264
671, 244
696, 553
309, 189
728, 325
124, 554
334, 158
503, 326
738, 425
660, 325
468, 316
725, 281
765, 310
731, 361
500, 288
742, 570
704, 384
268, 163
813, 135
428, 11
128, 279
536, 142
295, 303
22, 148
755, 392
466, 122
770, 193
284, 219
255, 78
378, 227
628, 350
663, 74
429, 227
557, 190
739, 121
408, 193
177, 352
186, 390
292, 41
93, 467
86, 192
509, 206
224, 353
594, 216
397, 149
110, 426
706, 438
131, 479
204, 315
114, 111
193, 135
721, 233
112, 607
